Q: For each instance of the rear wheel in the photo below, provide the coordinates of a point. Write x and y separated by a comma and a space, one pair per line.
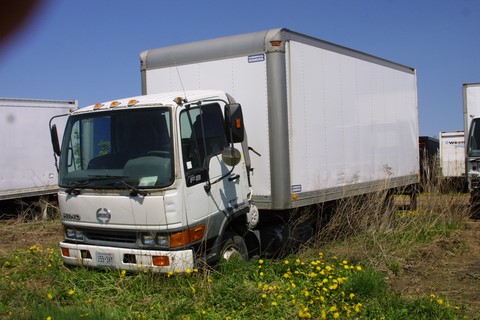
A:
233, 248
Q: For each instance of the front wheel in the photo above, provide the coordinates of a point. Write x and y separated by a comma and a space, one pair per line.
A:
233, 248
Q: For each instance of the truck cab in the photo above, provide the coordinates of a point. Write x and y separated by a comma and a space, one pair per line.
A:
472, 163
156, 182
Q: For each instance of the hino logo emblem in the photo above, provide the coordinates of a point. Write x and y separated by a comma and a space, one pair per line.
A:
103, 215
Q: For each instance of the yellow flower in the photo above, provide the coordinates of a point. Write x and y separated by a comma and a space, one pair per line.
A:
261, 274
123, 273
264, 296
336, 315
357, 307
260, 261
49, 296
286, 262
304, 314
359, 268
70, 292
274, 304
440, 301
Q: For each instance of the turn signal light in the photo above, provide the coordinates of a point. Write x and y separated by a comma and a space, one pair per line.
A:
161, 261
65, 252
188, 236
238, 123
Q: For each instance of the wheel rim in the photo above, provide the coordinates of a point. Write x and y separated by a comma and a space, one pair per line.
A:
231, 252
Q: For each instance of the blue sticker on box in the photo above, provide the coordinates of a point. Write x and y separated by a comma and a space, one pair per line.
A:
256, 58
296, 188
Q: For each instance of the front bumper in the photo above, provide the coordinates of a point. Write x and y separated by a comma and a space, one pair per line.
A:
126, 259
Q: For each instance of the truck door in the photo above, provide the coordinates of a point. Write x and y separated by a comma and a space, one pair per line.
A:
203, 140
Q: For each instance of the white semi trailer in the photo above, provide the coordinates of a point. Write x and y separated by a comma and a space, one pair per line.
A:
324, 122
452, 159
26, 166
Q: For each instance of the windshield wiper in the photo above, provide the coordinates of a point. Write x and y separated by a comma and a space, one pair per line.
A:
84, 182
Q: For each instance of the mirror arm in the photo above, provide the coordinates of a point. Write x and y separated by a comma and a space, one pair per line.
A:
208, 184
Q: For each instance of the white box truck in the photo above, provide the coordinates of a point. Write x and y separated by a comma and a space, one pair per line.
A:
471, 117
26, 166
324, 122
452, 160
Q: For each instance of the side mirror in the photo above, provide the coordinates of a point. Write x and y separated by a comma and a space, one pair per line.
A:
234, 123
231, 156
54, 137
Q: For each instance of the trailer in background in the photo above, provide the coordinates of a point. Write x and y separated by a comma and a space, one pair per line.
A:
26, 166
452, 160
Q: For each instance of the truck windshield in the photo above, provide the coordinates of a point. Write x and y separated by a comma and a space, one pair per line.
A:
474, 139
118, 149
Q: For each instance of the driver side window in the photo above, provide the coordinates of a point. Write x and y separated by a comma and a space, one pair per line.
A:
203, 135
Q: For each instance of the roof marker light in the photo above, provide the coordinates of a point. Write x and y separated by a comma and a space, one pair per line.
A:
276, 43
114, 104
178, 100
97, 106
132, 102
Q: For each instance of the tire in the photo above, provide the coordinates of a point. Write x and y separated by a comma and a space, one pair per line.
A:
233, 248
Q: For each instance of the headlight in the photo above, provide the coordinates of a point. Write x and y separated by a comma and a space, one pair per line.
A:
73, 234
155, 240
162, 241
148, 239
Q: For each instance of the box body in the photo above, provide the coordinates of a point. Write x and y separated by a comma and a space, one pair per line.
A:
328, 121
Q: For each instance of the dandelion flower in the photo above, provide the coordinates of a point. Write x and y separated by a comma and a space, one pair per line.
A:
49, 296
336, 315
274, 304
260, 261
304, 314
71, 292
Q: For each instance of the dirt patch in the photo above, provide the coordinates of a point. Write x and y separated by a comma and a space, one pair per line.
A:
18, 235
448, 267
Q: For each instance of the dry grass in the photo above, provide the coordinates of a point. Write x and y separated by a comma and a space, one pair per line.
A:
375, 231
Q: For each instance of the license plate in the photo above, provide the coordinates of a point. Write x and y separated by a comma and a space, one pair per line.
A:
104, 259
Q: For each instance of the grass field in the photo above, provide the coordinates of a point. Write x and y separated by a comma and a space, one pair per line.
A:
357, 267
